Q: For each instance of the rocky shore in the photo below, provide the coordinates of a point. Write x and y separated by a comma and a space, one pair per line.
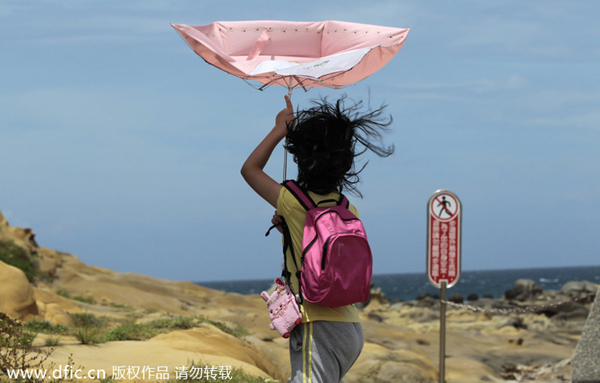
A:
528, 335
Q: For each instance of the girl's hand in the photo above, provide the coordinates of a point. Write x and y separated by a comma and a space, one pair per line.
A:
284, 117
276, 220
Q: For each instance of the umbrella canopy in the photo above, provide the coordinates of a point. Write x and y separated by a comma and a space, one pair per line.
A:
328, 53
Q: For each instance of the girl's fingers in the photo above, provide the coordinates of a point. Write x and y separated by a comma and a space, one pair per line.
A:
276, 219
288, 102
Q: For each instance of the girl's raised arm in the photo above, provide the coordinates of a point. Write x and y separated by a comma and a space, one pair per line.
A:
252, 170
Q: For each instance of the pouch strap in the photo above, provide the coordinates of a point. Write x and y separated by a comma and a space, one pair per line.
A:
285, 273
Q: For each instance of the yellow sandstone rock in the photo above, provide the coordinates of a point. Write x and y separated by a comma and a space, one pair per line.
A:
16, 295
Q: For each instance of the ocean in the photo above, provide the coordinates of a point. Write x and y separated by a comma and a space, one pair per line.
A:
406, 287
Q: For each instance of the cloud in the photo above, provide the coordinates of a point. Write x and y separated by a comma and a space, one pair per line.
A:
462, 91
549, 100
81, 25
588, 120
516, 99
105, 109
552, 31
482, 85
138, 25
458, 28
489, 30
560, 107
391, 13
5, 10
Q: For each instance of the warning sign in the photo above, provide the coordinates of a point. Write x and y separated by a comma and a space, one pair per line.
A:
444, 227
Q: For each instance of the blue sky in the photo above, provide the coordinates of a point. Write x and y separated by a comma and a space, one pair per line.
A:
121, 146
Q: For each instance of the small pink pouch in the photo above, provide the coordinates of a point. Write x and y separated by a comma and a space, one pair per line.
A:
283, 309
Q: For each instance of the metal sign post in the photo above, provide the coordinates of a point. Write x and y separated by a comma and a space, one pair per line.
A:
444, 231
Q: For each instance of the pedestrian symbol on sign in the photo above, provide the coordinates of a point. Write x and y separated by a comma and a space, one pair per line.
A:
444, 206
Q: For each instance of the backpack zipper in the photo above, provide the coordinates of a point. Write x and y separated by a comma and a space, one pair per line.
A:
326, 242
325, 246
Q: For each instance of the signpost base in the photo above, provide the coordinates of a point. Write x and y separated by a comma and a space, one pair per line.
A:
442, 366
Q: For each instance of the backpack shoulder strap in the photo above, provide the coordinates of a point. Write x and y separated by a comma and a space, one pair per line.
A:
302, 197
307, 202
344, 202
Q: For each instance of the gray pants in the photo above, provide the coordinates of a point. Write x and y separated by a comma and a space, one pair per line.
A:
323, 352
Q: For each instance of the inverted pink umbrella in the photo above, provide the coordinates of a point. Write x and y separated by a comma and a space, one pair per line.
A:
327, 53
292, 54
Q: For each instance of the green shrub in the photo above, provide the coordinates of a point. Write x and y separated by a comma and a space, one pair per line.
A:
184, 323
89, 300
52, 341
89, 334
16, 256
86, 319
16, 349
64, 293
45, 327
175, 323
138, 331
238, 331
121, 306
88, 328
131, 331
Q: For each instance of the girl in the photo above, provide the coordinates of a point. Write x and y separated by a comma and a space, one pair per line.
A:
323, 141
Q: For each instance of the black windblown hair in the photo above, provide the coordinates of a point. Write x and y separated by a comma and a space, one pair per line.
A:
326, 139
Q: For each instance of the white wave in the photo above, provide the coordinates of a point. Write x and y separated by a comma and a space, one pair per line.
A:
545, 280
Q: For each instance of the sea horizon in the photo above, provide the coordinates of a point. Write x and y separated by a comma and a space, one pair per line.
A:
407, 286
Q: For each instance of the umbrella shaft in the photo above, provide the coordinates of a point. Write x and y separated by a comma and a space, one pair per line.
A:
284, 164
290, 88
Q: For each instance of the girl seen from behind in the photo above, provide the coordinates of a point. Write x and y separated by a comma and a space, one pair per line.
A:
324, 140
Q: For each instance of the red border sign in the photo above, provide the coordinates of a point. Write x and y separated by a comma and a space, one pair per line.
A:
444, 229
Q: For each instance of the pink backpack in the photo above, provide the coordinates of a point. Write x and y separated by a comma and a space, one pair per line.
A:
336, 262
